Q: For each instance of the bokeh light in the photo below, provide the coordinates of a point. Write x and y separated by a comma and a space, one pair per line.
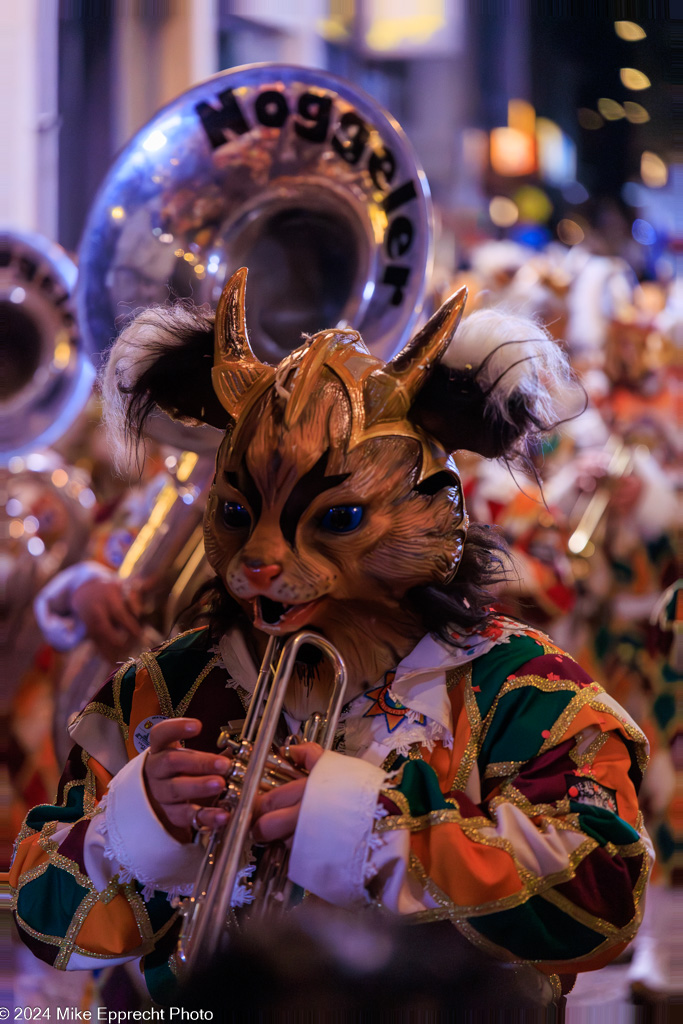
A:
634, 79
503, 212
653, 170
569, 232
589, 119
610, 109
629, 31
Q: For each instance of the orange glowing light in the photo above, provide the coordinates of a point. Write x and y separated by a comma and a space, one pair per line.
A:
513, 153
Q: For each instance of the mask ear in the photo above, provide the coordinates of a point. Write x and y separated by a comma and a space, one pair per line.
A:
163, 360
501, 380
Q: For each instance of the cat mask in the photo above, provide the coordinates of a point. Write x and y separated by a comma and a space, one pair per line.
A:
336, 495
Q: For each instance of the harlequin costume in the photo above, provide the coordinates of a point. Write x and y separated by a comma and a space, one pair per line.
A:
529, 840
479, 777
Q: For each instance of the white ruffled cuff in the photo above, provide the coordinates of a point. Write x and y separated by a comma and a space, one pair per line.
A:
60, 626
129, 835
332, 842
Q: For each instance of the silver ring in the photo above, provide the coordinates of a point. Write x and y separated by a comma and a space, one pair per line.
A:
196, 824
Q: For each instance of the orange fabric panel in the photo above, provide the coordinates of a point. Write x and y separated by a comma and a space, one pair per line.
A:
468, 872
594, 964
610, 768
29, 855
446, 762
110, 929
102, 777
145, 705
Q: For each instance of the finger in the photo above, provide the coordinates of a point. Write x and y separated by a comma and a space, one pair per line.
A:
170, 732
183, 816
278, 824
284, 796
109, 653
121, 614
187, 788
168, 763
305, 755
102, 628
133, 599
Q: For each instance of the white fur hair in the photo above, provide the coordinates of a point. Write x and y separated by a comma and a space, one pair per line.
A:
491, 258
152, 333
523, 360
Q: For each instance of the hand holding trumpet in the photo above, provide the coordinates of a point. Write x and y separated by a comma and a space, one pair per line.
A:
182, 783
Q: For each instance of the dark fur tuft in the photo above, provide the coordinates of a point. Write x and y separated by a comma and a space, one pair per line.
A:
161, 360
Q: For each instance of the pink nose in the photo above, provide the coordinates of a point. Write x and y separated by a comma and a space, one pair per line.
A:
260, 575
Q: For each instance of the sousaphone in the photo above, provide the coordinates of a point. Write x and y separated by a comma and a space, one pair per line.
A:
291, 172
46, 369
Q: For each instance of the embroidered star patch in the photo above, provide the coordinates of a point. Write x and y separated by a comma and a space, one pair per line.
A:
384, 704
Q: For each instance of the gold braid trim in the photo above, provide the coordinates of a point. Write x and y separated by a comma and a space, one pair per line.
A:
116, 688
633, 733
509, 794
96, 708
51, 940
148, 661
140, 914
471, 751
184, 703
596, 924
26, 877
389, 761
470, 932
455, 674
556, 986
67, 946
179, 636
244, 696
443, 815
401, 802
24, 832
502, 769
532, 885
591, 751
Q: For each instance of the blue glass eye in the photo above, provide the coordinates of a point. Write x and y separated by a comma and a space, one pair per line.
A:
342, 518
235, 516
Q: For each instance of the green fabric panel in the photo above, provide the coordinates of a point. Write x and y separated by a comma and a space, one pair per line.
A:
490, 671
515, 733
666, 845
127, 689
602, 642
670, 675
420, 787
196, 640
158, 909
182, 661
660, 549
49, 902
71, 812
162, 984
665, 709
538, 930
603, 825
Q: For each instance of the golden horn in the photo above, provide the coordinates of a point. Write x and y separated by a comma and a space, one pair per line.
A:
390, 392
238, 377
413, 364
231, 338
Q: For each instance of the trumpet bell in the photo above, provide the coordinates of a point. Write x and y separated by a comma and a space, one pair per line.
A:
289, 171
46, 374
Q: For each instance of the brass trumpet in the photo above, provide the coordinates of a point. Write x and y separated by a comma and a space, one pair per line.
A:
227, 858
592, 515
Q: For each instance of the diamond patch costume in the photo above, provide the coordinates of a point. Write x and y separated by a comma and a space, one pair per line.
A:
479, 776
